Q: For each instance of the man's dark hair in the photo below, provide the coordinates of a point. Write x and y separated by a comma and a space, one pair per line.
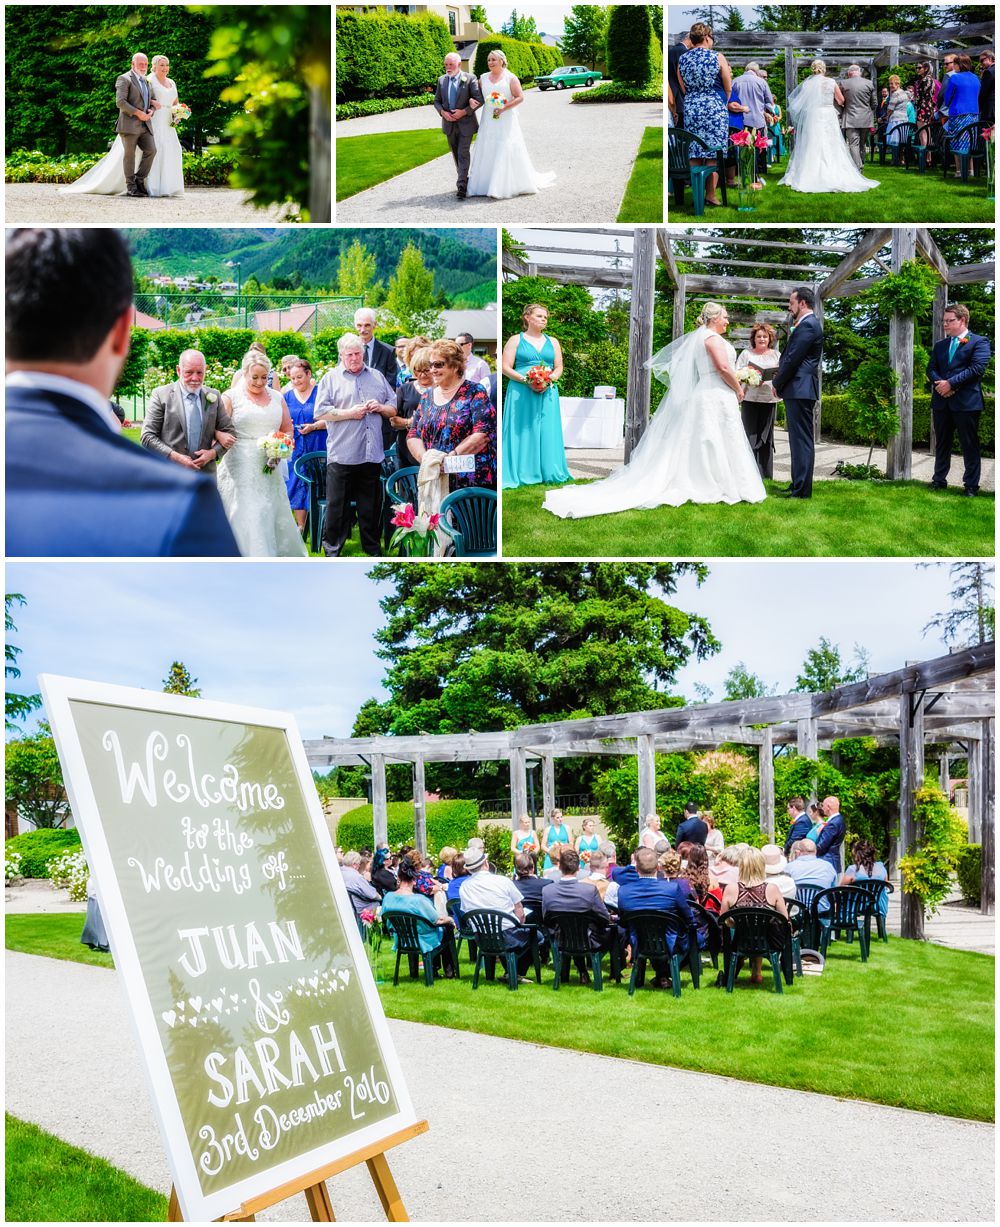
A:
65, 290
465, 336
569, 860
690, 808
798, 803
524, 864
804, 294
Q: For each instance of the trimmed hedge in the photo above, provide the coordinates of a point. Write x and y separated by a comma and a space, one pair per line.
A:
969, 868
525, 60
634, 55
225, 345
209, 169
387, 55
611, 91
381, 106
448, 822
37, 848
838, 422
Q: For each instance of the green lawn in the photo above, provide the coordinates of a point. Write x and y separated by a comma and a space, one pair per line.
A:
47, 1180
56, 936
843, 518
643, 199
363, 161
903, 196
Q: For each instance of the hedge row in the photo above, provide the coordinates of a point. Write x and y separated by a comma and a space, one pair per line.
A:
838, 422
969, 869
386, 55
381, 106
209, 169
611, 91
635, 56
448, 823
37, 848
525, 60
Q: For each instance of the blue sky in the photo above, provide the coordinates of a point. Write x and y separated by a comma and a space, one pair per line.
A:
298, 637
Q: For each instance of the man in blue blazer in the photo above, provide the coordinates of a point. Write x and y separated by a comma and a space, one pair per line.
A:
797, 381
75, 486
830, 839
799, 820
648, 893
956, 373
694, 829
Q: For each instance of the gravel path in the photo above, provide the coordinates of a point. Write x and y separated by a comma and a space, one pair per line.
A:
590, 148
43, 203
495, 1106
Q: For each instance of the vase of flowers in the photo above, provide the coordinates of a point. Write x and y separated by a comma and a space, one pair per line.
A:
373, 934
415, 535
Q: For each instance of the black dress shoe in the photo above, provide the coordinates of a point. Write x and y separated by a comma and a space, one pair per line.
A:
937, 485
132, 192
141, 189
969, 493
461, 193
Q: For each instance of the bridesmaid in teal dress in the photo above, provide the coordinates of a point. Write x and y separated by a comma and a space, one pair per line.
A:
533, 451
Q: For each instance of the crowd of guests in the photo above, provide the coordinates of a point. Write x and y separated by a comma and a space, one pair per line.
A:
557, 872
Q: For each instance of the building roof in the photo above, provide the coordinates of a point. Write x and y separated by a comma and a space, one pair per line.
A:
481, 323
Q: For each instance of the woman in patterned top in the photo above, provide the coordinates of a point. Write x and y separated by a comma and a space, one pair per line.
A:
457, 417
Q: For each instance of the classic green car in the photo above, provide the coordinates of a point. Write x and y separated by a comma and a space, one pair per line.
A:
569, 75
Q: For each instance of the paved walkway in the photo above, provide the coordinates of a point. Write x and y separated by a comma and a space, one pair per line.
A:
43, 203
585, 463
498, 1107
589, 147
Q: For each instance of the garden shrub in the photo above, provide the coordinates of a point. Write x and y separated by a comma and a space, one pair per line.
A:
382, 106
520, 57
387, 55
324, 346
871, 395
632, 49
277, 344
211, 168
611, 91
448, 822
133, 373
12, 865
927, 868
37, 848
969, 870
838, 422
69, 872
496, 840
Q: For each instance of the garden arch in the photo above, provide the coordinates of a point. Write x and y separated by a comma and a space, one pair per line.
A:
947, 701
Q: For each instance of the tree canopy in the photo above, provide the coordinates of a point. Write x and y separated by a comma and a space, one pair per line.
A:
823, 669
585, 33
180, 681
972, 617
16, 706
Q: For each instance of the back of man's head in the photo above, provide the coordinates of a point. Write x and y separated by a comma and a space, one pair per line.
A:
807, 847
645, 862
524, 865
569, 861
690, 809
65, 290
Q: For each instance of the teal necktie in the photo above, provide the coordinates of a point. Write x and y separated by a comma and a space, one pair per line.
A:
951, 351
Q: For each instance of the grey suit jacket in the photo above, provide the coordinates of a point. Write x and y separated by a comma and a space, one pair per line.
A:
128, 99
165, 427
468, 88
860, 103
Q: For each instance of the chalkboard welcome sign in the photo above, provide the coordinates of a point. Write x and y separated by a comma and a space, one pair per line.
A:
262, 1034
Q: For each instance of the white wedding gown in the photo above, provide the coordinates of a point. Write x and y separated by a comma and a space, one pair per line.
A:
820, 161
501, 167
695, 449
166, 175
256, 503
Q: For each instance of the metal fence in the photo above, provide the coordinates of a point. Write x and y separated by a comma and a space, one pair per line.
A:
575, 804
262, 312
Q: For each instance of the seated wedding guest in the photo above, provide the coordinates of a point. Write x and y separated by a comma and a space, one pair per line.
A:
715, 841
649, 893
568, 894
555, 851
476, 369
955, 370
361, 893
987, 90
75, 485
407, 901
896, 112
610, 853
454, 418
807, 869
759, 405
458, 872
727, 864
409, 392
961, 102
526, 879
706, 886
383, 878
752, 889
310, 435
445, 857
524, 838
775, 866
669, 863
484, 889
353, 400
865, 867
801, 822
598, 875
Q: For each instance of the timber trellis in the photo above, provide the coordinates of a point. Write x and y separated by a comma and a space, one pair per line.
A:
946, 703
881, 250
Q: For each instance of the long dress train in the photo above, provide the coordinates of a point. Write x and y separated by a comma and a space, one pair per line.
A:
820, 160
501, 167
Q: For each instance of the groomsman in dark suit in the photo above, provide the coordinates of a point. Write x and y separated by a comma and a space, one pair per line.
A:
956, 373
797, 381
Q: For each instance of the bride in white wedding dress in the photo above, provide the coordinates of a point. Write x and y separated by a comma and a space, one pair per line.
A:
256, 502
501, 167
820, 161
166, 175
695, 449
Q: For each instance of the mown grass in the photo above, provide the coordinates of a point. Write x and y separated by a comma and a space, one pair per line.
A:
56, 936
856, 519
47, 1181
363, 161
643, 199
902, 196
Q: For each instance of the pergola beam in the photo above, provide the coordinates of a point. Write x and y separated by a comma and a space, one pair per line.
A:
930, 251
797, 268
806, 40
873, 242
733, 242
969, 274
665, 247
611, 278
759, 287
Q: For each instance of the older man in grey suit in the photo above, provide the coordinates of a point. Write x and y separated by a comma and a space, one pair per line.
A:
182, 418
755, 94
135, 104
857, 116
455, 99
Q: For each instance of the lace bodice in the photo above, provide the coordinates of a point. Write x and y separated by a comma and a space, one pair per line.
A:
251, 420
501, 87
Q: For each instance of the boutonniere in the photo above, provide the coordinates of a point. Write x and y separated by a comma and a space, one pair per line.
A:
963, 340
211, 397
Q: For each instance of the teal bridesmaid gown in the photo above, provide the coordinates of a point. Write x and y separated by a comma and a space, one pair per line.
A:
533, 451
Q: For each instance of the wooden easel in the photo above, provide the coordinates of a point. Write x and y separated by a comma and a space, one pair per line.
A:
313, 1184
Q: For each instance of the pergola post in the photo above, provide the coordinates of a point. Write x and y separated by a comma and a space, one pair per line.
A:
640, 348
974, 789
518, 785
937, 330
548, 786
900, 452
988, 753
380, 805
818, 415
790, 73
680, 304
944, 773
911, 778
807, 745
765, 783
647, 776
419, 806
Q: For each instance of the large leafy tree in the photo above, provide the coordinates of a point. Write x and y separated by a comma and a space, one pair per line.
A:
520, 26
972, 616
823, 668
411, 304
33, 783
357, 273
16, 706
585, 33
487, 646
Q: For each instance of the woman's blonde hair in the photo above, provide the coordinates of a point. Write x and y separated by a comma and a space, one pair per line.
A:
499, 54
699, 32
710, 311
670, 863
533, 306
412, 346
255, 357
752, 868
895, 82
419, 359
818, 66
157, 59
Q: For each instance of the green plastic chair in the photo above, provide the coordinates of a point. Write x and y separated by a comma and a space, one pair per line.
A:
758, 932
571, 940
650, 930
469, 517
876, 887
850, 912
711, 922
401, 486
488, 926
973, 133
798, 918
311, 468
923, 153
680, 172
407, 932
811, 925
903, 146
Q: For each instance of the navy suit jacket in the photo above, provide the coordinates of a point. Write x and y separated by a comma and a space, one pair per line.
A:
798, 369
76, 489
828, 841
964, 373
695, 830
656, 894
799, 829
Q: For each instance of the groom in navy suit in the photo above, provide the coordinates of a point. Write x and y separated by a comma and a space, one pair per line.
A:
956, 373
797, 381
75, 486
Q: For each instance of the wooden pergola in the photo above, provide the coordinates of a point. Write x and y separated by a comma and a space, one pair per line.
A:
946, 702
882, 250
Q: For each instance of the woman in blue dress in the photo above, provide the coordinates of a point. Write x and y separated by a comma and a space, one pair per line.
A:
555, 833
960, 103
533, 452
587, 843
707, 82
310, 436
524, 838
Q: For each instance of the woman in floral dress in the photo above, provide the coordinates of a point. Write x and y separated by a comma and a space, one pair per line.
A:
707, 81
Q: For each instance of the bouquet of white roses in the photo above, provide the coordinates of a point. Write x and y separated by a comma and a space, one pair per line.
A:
276, 447
749, 376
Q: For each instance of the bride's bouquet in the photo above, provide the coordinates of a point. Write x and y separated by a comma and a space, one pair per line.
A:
539, 379
178, 113
498, 102
747, 375
276, 447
